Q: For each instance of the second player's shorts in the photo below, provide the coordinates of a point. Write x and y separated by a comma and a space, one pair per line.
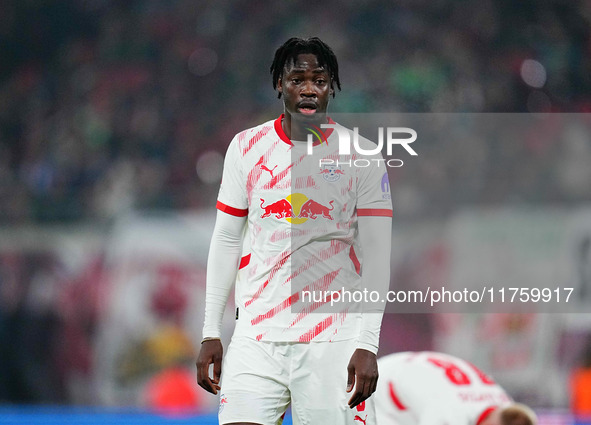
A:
260, 380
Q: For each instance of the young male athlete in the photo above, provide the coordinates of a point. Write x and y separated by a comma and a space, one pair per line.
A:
314, 226
429, 388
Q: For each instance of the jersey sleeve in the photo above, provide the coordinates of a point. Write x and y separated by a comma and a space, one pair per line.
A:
373, 189
232, 198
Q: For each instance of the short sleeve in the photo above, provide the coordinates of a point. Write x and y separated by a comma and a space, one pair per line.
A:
232, 197
373, 188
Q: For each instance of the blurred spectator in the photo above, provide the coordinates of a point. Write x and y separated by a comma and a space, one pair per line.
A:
108, 105
29, 325
581, 388
173, 391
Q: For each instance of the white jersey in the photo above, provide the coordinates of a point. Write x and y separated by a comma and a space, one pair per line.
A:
429, 388
302, 227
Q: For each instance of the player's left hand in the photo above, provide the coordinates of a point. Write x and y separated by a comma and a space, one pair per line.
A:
363, 375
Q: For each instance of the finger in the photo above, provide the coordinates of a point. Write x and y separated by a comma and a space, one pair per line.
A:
350, 378
212, 384
355, 400
366, 391
211, 387
374, 386
200, 376
206, 384
217, 370
362, 392
203, 377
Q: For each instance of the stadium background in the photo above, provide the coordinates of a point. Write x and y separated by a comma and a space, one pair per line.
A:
114, 118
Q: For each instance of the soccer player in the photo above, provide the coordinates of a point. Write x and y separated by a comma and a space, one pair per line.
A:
314, 226
429, 388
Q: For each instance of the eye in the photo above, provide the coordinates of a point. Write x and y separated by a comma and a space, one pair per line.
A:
320, 81
295, 80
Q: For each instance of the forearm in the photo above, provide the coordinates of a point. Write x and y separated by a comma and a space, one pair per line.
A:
222, 265
375, 240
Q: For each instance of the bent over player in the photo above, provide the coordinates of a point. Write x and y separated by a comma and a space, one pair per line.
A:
429, 388
314, 225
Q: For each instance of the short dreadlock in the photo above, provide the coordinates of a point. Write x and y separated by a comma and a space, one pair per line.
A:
290, 50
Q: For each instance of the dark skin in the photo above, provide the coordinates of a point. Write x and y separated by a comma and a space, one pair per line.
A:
306, 91
211, 352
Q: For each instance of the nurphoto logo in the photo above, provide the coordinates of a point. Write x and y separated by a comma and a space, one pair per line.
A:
343, 134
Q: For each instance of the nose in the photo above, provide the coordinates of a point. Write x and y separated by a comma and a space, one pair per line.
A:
307, 89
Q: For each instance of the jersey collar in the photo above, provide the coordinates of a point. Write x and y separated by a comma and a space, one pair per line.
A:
283, 136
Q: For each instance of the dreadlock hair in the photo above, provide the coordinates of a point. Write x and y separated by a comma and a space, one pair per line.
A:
290, 50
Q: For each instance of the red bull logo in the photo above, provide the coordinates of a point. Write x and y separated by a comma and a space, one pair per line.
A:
223, 402
297, 208
312, 209
281, 209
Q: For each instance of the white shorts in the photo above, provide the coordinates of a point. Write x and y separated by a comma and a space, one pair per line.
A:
261, 379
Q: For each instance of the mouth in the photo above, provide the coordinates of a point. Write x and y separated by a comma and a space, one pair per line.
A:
307, 108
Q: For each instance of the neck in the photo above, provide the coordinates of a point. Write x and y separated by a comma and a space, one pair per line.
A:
297, 129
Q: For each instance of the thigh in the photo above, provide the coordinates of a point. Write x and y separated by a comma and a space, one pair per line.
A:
254, 384
319, 383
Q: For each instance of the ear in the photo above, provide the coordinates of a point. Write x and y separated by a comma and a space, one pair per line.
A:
280, 85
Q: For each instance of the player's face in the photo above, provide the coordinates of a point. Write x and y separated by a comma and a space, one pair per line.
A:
305, 86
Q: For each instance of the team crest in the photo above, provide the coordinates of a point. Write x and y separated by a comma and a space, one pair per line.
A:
223, 402
331, 173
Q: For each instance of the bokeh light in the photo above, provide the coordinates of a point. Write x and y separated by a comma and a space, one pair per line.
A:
209, 167
533, 73
202, 61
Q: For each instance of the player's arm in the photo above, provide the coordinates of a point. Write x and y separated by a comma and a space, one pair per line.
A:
375, 240
222, 266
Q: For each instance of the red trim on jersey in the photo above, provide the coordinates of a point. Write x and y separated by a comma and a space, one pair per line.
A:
279, 129
244, 261
231, 210
355, 260
374, 212
485, 414
394, 397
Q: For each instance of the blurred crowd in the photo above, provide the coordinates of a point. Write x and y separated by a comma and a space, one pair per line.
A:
112, 105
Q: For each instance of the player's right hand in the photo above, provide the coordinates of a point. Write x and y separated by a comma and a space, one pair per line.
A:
211, 352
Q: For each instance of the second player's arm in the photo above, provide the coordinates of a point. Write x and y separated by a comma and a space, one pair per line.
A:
375, 240
222, 265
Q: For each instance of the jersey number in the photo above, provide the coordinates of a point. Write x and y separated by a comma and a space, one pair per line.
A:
456, 375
